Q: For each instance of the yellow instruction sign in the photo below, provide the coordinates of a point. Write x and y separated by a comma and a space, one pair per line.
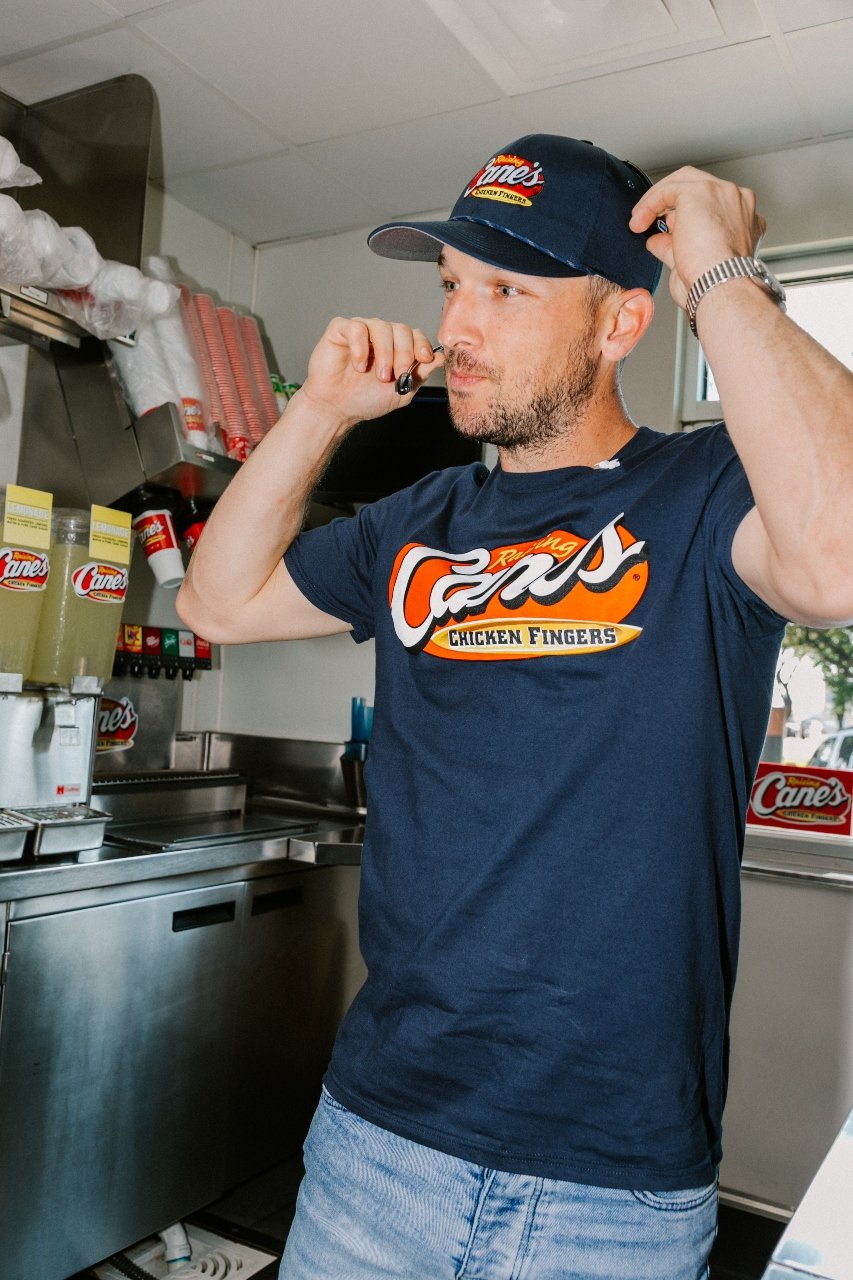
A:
109, 534
26, 521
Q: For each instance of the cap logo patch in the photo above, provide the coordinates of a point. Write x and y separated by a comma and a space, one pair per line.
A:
508, 178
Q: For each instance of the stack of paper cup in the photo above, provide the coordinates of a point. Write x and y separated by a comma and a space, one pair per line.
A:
235, 431
253, 346
244, 379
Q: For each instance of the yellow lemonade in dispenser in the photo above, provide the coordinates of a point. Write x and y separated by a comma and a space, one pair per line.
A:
82, 607
24, 575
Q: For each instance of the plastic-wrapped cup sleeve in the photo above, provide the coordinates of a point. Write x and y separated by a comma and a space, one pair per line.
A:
144, 373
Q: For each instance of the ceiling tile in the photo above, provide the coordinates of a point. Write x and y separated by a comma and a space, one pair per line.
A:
130, 8
793, 15
547, 42
314, 71
199, 127
27, 24
421, 165
687, 110
273, 199
823, 57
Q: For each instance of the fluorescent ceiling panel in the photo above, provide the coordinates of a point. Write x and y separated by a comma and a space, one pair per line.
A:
530, 45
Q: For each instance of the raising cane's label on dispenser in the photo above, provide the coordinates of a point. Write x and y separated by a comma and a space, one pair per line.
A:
118, 723
802, 798
23, 570
100, 583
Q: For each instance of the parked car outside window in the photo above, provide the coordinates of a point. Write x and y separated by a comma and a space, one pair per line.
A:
835, 752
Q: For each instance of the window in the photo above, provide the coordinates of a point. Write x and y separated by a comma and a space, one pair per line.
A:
819, 285
813, 696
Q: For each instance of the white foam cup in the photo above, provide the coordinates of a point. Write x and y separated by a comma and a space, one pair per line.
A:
156, 532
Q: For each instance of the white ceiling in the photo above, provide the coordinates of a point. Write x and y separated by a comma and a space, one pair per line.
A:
289, 118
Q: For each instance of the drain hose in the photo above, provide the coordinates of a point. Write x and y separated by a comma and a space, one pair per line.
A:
177, 1246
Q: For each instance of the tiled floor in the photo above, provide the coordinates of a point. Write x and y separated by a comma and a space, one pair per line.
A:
264, 1208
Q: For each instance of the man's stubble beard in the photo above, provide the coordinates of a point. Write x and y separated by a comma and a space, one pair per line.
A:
536, 412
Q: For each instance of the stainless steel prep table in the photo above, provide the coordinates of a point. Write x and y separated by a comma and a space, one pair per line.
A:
165, 1020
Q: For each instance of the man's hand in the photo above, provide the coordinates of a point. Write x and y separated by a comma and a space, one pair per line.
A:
707, 219
353, 368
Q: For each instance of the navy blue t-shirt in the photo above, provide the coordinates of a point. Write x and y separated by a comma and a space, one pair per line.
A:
573, 687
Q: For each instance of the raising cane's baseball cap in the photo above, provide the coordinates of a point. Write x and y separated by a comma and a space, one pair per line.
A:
544, 206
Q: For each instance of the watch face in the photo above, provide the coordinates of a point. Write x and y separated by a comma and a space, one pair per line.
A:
772, 283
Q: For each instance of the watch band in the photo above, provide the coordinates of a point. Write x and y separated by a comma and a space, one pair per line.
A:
732, 269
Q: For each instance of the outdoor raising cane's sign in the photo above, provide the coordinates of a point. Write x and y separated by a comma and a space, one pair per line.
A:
802, 798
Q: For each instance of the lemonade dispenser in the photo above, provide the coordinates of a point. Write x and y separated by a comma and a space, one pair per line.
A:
83, 601
63, 655
24, 575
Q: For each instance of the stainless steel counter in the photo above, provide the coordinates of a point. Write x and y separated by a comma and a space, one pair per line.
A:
322, 840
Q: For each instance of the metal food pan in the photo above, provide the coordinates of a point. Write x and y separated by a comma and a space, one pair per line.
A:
65, 829
13, 836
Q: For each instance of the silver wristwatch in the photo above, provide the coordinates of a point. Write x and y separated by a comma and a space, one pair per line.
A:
732, 269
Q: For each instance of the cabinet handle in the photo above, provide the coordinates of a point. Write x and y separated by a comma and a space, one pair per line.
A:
264, 902
201, 917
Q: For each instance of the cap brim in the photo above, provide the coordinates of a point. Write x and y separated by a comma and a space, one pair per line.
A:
424, 241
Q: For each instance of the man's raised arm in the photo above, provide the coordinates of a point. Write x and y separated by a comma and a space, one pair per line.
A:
787, 403
237, 588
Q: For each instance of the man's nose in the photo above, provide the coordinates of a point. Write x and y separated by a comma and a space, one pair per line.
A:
460, 325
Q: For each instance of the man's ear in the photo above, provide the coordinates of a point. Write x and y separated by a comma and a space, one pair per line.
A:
626, 319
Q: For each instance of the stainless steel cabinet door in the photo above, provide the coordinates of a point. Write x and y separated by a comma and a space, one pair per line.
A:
299, 968
113, 1080
791, 1079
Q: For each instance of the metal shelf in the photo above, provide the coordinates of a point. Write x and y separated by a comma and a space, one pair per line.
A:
169, 459
27, 316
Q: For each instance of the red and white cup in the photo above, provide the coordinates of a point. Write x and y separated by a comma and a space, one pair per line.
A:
156, 531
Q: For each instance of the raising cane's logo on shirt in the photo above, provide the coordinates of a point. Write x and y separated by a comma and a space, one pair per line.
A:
508, 178
555, 595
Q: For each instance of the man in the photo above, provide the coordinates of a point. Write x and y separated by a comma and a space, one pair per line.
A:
574, 661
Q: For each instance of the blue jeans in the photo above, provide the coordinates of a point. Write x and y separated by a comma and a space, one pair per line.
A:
374, 1206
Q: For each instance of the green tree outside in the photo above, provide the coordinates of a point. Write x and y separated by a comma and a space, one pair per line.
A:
832, 651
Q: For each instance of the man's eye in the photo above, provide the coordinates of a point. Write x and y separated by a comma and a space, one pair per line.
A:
448, 286
509, 291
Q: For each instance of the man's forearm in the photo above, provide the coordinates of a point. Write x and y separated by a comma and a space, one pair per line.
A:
788, 405
787, 402
254, 522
